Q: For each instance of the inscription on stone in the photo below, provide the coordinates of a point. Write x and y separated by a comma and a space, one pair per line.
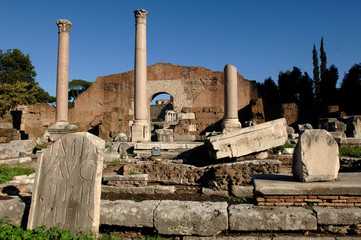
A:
68, 184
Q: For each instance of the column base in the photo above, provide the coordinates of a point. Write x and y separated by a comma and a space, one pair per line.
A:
60, 129
140, 131
229, 125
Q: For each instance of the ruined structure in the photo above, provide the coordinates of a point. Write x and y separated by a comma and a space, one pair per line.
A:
108, 104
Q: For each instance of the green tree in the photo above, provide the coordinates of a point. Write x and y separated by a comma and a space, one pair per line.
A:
16, 93
328, 86
323, 58
16, 67
350, 91
17, 83
269, 91
316, 73
76, 87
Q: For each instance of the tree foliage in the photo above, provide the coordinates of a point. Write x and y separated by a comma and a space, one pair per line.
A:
269, 91
17, 81
351, 90
316, 73
76, 87
323, 58
295, 87
16, 93
328, 86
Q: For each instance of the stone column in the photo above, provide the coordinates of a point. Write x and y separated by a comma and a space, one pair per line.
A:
63, 72
230, 121
61, 125
140, 127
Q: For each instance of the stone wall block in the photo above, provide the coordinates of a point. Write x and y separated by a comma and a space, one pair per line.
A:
191, 218
316, 157
343, 216
12, 210
246, 217
127, 213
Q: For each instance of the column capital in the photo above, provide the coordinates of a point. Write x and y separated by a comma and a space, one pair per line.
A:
140, 16
63, 25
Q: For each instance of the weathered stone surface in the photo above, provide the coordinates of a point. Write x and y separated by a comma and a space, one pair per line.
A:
353, 123
137, 177
246, 217
191, 218
12, 149
68, 184
315, 157
304, 127
242, 191
127, 213
346, 184
343, 216
140, 190
248, 140
12, 210
164, 135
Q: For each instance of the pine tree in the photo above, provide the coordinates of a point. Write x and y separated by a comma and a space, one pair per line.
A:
323, 60
316, 73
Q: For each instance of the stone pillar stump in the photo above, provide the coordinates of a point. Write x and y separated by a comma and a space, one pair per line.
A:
230, 121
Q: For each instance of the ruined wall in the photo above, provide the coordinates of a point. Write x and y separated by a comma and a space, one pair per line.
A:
191, 87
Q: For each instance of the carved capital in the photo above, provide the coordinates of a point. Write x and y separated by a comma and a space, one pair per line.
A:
64, 25
140, 16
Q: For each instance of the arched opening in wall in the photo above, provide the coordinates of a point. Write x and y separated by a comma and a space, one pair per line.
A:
162, 108
94, 130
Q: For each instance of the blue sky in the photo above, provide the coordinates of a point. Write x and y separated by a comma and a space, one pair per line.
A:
260, 38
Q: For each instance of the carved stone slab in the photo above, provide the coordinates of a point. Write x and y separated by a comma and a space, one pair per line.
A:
68, 184
248, 140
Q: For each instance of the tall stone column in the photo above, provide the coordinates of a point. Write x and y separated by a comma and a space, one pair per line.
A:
230, 121
63, 72
61, 126
140, 127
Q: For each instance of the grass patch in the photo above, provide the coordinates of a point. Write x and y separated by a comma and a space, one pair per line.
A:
8, 231
350, 152
39, 147
132, 173
288, 145
8, 172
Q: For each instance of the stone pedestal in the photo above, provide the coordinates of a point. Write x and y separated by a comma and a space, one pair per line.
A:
58, 130
140, 131
140, 128
230, 121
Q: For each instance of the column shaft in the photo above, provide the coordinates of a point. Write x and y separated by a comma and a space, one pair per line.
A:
62, 72
140, 72
230, 120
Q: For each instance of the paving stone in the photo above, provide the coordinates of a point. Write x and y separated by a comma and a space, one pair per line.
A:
190, 218
343, 216
68, 184
246, 217
126, 213
12, 210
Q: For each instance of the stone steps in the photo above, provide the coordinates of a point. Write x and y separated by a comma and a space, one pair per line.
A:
211, 218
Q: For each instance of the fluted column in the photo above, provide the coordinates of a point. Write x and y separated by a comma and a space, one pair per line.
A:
140, 127
63, 72
230, 121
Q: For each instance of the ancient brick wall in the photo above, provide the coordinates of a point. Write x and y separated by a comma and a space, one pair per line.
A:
191, 87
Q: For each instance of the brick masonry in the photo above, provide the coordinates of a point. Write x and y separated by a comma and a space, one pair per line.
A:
309, 200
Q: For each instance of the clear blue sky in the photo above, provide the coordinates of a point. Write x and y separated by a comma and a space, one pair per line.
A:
260, 38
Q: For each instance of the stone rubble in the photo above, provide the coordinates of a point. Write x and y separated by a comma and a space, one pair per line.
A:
248, 140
